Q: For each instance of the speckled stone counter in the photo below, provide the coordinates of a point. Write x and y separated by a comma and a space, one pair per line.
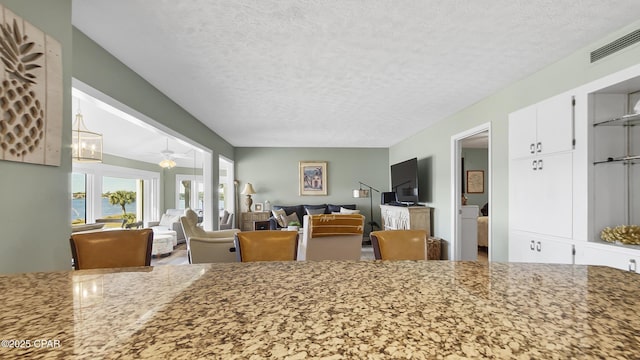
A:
334, 310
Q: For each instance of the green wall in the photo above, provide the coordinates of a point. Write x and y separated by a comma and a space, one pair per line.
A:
36, 217
435, 141
36, 220
476, 159
274, 173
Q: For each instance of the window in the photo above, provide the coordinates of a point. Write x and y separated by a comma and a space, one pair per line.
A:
78, 198
190, 192
136, 190
226, 186
120, 198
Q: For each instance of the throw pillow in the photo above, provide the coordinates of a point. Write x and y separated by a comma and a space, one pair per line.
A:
314, 211
348, 211
291, 218
336, 208
278, 214
168, 220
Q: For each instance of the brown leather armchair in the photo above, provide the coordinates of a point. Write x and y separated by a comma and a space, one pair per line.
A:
207, 246
399, 244
111, 249
267, 245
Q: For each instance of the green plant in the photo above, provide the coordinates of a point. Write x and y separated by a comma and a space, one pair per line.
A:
122, 198
294, 223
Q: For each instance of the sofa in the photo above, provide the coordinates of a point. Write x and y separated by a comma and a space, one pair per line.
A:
170, 220
301, 210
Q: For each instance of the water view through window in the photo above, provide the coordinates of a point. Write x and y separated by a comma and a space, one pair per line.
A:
119, 195
78, 198
119, 198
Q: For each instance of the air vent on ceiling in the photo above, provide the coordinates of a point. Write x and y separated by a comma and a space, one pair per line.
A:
615, 46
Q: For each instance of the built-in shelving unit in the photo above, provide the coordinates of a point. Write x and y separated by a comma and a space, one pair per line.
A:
615, 150
626, 122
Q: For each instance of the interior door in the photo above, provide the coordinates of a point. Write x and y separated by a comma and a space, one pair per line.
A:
469, 243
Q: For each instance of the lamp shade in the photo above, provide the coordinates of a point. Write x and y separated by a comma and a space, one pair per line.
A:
360, 193
248, 189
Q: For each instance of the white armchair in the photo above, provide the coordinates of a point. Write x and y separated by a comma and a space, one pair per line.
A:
226, 221
170, 220
207, 246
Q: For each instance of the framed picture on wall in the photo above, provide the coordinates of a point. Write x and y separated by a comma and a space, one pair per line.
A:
313, 177
475, 181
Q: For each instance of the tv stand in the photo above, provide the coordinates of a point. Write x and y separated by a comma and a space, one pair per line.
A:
398, 203
406, 218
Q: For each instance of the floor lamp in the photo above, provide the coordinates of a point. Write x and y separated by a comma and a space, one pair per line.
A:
364, 193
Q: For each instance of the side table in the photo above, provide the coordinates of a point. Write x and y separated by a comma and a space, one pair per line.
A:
247, 219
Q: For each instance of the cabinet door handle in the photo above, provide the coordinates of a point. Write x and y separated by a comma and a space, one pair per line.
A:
539, 246
534, 164
532, 245
539, 164
632, 265
539, 147
532, 148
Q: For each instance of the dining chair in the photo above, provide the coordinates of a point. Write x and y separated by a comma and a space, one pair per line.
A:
266, 245
111, 249
332, 237
399, 244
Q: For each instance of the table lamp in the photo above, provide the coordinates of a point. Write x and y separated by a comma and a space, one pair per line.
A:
248, 190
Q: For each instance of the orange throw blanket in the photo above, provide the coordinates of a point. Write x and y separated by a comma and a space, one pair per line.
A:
335, 224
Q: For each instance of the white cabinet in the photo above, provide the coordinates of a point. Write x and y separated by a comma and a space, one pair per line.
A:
543, 128
541, 168
540, 195
541, 182
533, 248
619, 257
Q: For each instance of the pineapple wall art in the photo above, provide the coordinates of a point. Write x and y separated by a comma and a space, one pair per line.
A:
30, 93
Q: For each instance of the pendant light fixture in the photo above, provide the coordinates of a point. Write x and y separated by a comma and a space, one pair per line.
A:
86, 146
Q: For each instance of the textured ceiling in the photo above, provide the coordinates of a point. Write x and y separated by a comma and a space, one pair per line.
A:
335, 73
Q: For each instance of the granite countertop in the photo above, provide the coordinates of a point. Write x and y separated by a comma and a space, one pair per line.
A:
333, 309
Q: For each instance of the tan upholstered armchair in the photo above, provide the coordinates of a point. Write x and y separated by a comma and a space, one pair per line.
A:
207, 246
399, 244
332, 237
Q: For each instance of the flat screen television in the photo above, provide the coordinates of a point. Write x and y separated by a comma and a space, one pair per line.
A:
404, 180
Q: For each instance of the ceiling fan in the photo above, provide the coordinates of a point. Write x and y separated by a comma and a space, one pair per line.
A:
168, 157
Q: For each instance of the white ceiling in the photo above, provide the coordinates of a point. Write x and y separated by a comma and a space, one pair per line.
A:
336, 73
129, 137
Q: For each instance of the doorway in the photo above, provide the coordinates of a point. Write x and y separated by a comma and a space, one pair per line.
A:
136, 143
471, 194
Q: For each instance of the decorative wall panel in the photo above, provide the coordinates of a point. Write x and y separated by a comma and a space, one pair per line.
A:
30, 93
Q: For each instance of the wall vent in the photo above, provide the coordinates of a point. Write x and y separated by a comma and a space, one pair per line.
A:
615, 46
